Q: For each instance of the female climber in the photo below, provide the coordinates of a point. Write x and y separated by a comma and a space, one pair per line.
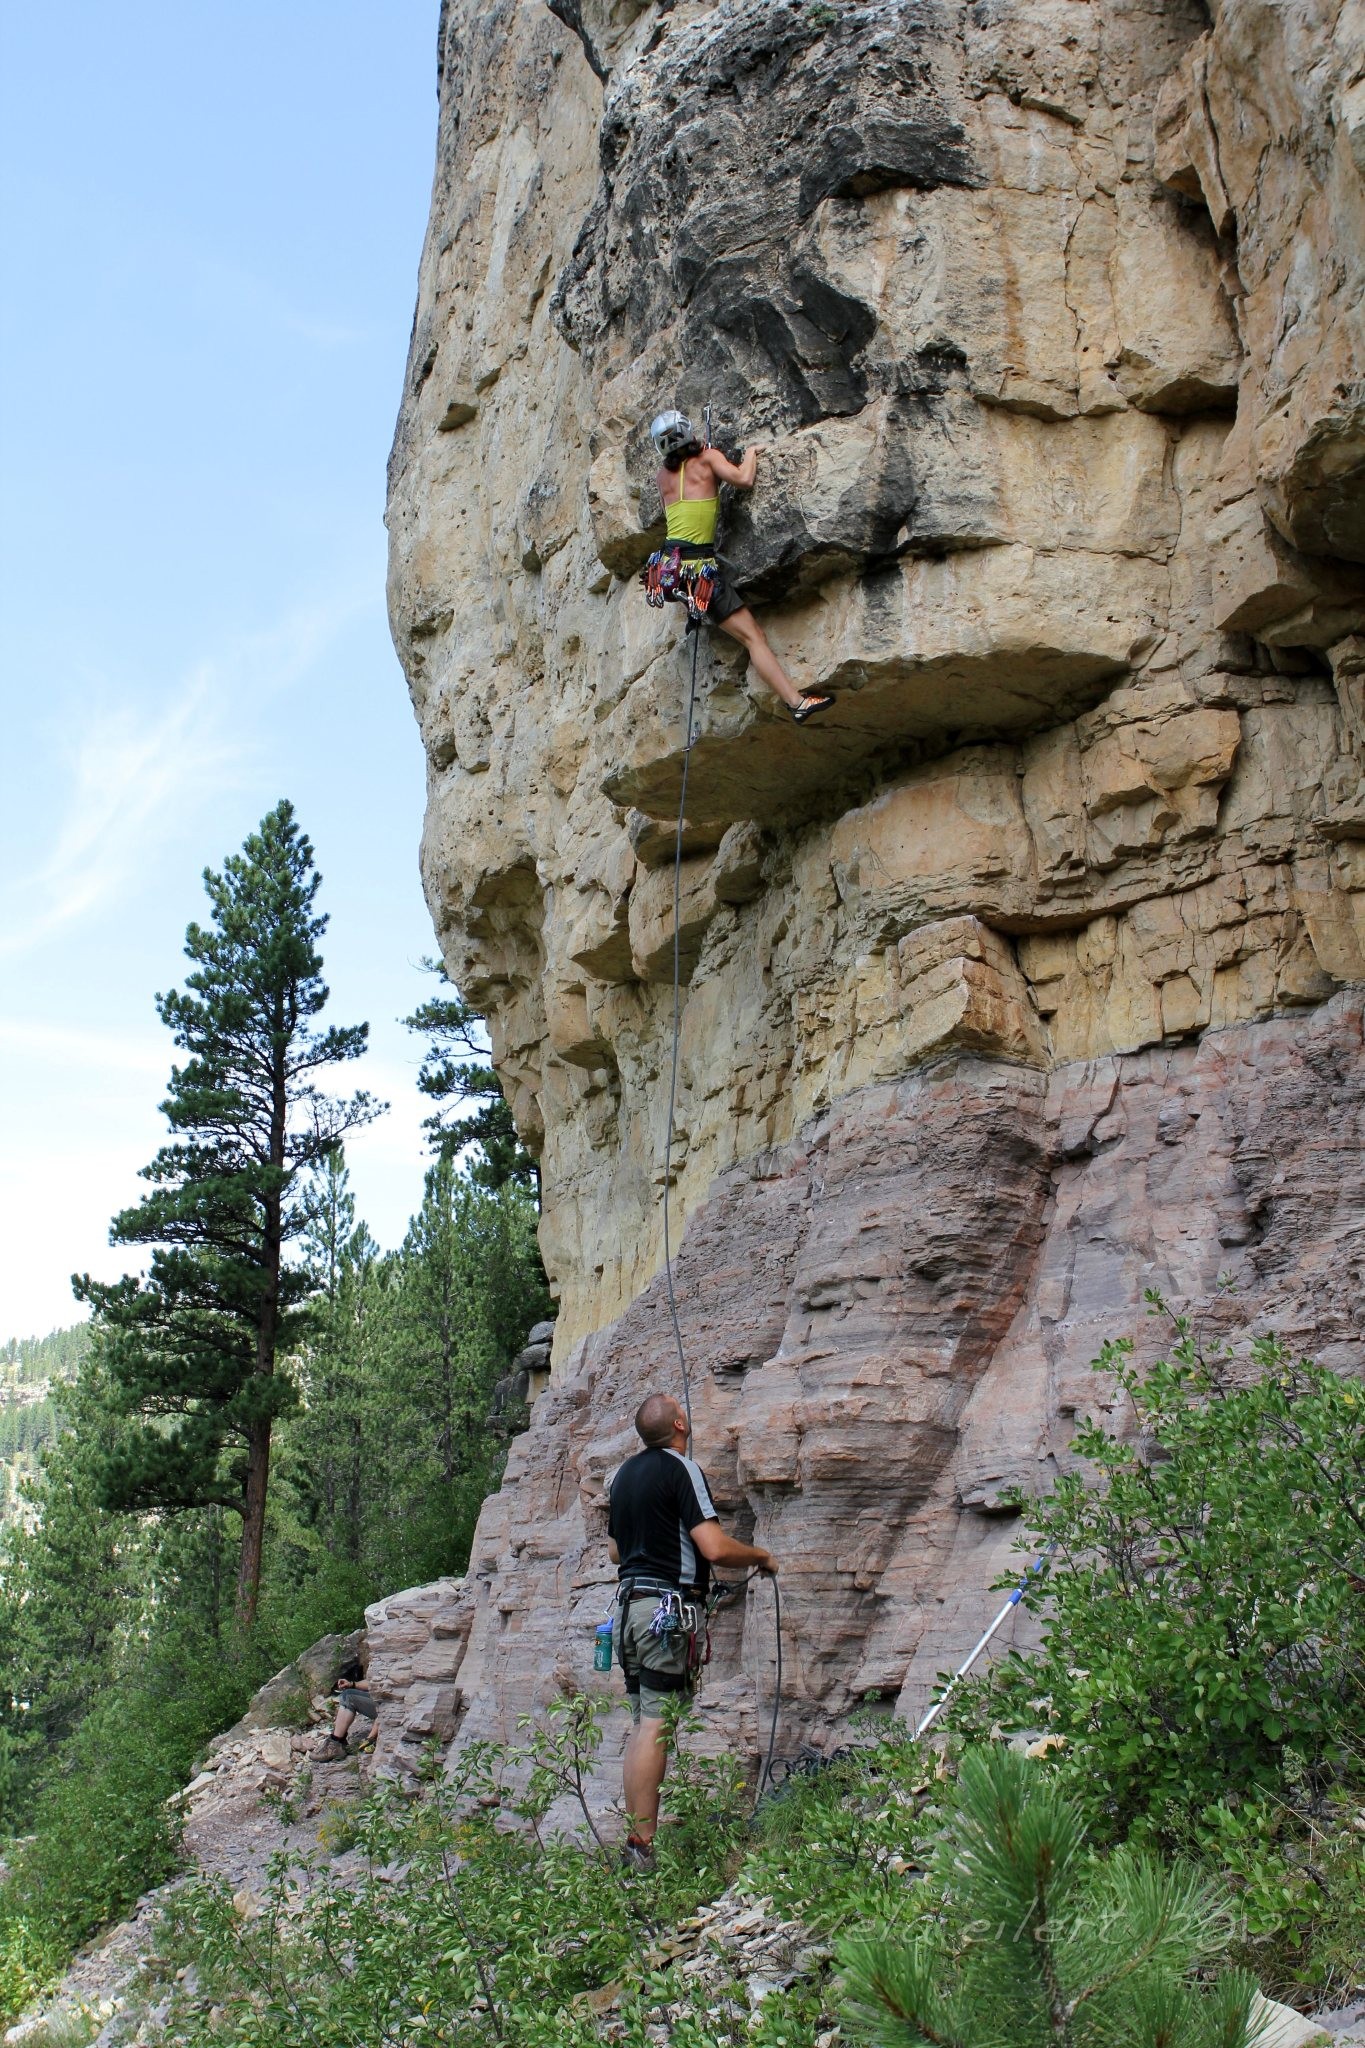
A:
686, 567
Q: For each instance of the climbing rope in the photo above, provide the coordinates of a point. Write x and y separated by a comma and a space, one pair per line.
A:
694, 627
689, 738
766, 1777
735, 1586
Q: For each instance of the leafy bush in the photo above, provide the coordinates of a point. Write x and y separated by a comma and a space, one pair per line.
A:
1299, 1891
1204, 1627
102, 1831
835, 1845
27, 1966
458, 1926
1039, 1940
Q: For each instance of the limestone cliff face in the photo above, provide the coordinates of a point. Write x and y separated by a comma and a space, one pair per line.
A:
1025, 979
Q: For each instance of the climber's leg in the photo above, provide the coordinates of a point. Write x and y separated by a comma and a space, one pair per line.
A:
341, 1727
643, 1768
744, 627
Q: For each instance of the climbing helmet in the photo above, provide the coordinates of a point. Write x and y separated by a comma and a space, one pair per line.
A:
670, 431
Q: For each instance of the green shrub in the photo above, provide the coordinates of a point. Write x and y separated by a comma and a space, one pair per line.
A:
1204, 1631
468, 1920
27, 1967
836, 1846
102, 1831
1038, 1940
1299, 1892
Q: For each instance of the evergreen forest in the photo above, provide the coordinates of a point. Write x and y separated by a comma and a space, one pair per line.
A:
129, 1631
32, 1370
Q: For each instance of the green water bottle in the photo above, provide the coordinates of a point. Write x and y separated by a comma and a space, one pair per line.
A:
601, 1647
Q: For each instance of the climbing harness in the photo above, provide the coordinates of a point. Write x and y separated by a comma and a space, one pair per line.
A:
672, 577
675, 1615
1035, 1570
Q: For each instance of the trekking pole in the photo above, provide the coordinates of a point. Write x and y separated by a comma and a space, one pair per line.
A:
1015, 1597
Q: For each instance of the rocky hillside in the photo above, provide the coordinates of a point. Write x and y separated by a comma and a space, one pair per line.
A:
1029, 977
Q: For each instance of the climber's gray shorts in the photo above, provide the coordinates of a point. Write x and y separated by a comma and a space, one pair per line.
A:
670, 1657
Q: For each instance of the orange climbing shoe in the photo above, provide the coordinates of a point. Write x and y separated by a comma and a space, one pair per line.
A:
811, 702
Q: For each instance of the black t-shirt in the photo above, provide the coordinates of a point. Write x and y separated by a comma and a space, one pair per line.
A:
657, 1498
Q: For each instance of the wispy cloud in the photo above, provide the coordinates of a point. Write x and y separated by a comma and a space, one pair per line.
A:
138, 773
131, 777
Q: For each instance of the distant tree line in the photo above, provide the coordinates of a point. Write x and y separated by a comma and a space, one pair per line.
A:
27, 1427
26, 1360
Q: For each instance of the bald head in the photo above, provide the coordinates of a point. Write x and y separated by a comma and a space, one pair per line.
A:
656, 1418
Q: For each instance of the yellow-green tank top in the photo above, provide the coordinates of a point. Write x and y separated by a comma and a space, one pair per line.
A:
692, 519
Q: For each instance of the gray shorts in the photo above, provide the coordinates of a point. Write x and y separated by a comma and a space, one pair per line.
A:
357, 1701
669, 1660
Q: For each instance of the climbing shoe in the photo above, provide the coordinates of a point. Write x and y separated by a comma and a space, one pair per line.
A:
637, 1855
330, 1752
811, 702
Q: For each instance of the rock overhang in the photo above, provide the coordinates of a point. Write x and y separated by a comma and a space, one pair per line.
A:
926, 657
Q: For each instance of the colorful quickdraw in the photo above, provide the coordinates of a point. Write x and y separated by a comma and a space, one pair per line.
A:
669, 578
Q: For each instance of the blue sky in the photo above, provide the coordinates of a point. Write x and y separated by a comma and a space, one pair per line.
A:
212, 220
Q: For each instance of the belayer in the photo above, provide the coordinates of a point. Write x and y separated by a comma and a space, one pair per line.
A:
687, 569
663, 1536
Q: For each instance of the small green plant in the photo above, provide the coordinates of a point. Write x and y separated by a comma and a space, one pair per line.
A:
287, 1801
561, 1752
1038, 1940
1299, 1892
838, 1845
28, 1965
338, 1830
293, 1710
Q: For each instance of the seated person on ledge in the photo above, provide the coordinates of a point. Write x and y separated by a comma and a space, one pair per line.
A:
353, 1704
689, 484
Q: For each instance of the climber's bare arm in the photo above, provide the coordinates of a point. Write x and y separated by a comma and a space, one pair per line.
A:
612, 1552
740, 474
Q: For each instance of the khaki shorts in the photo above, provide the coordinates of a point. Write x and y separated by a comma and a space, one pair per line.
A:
665, 1658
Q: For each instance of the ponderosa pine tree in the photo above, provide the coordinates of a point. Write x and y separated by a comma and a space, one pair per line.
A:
193, 1347
1039, 1942
334, 1364
458, 1071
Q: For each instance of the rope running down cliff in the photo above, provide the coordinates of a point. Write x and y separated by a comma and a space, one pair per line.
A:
689, 736
765, 1776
